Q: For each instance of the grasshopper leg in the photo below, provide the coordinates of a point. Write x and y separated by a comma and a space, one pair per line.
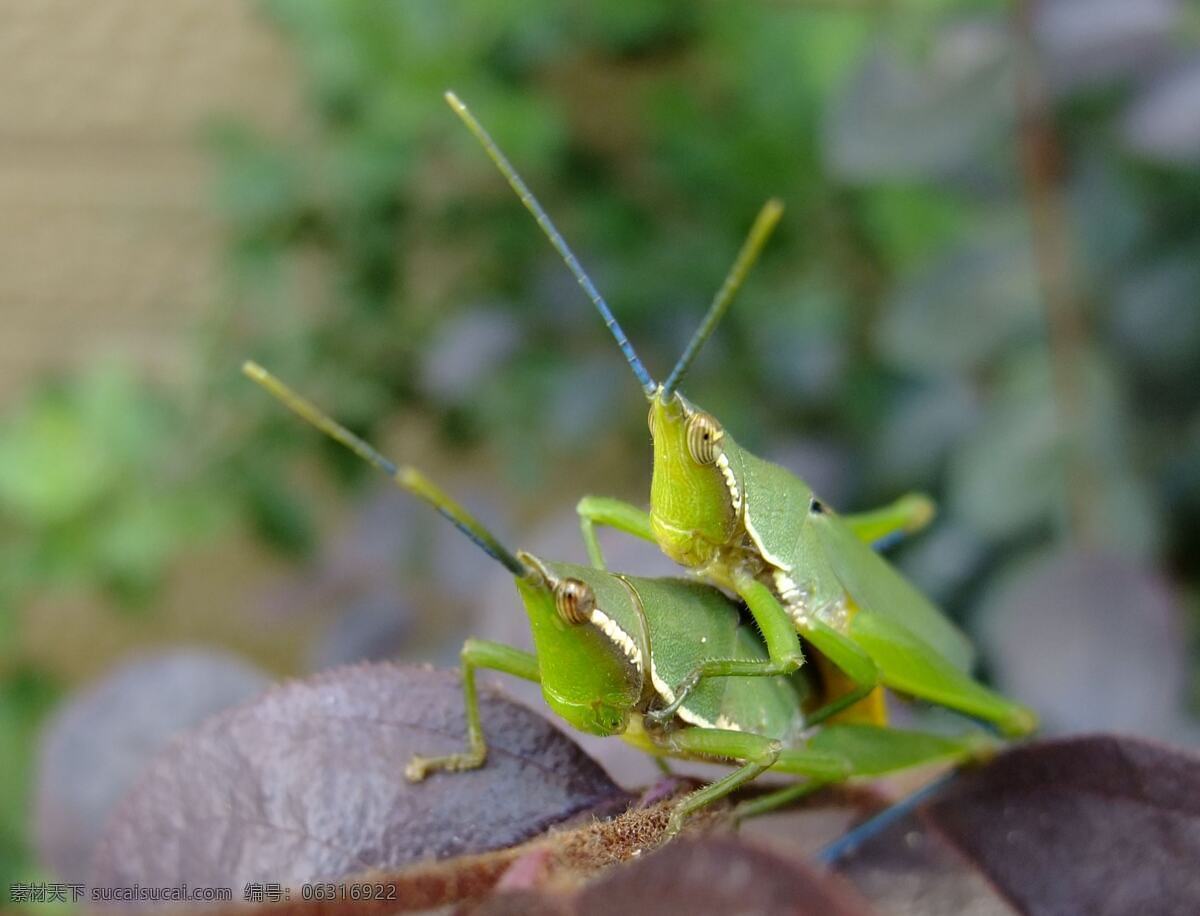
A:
779, 634
718, 667
615, 513
848, 658
758, 754
476, 653
869, 750
907, 665
888, 525
772, 801
778, 630
878, 651
882, 527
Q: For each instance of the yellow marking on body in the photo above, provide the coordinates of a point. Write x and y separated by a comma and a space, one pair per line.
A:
731, 484
618, 637
693, 718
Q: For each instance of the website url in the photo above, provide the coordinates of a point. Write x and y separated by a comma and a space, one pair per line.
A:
181, 894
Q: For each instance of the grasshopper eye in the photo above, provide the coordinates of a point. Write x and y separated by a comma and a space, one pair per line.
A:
703, 436
574, 601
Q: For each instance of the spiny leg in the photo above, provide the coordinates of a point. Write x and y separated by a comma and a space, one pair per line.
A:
841, 653
882, 527
615, 513
908, 665
476, 653
759, 754
888, 525
718, 667
772, 801
779, 634
869, 750
778, 631
875, 750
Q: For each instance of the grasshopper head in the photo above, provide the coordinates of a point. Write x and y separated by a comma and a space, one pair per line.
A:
591, 665
693, 493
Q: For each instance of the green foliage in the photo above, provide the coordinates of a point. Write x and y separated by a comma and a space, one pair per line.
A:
25, 697
897, 320
86, 494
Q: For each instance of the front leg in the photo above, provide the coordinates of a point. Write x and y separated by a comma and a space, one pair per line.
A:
889, 525
476, 653
779, 634
718, 667
615, 513
839, 650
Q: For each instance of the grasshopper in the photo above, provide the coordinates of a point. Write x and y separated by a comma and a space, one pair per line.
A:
608, 647
754, 528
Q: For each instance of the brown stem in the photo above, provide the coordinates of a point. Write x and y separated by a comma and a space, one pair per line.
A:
1042, 165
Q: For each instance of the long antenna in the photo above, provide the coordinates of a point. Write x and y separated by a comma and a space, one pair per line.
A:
764, 224
555, 237
405, 476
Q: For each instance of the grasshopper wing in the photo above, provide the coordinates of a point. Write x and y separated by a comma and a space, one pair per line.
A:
776, 500
877, 587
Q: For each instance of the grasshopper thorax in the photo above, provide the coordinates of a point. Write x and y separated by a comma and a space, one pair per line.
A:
695, 494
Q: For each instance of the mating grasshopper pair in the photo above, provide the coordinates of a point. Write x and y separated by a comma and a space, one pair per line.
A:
669, 664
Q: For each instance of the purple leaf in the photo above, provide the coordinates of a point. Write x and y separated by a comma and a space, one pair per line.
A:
1098, 825
717, 876
307, 783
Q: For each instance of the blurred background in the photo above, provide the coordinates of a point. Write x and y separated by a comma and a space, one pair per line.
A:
986, 285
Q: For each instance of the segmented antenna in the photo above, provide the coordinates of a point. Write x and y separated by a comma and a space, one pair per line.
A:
405, 476
764, 224
556, 239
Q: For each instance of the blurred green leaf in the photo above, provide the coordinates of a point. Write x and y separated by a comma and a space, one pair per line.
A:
971, 304
25, 697
52, 466
1010, 474
904, 118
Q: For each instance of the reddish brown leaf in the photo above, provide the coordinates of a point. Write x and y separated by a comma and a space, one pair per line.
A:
1087, 825
307, 784
1097, 825
718, 875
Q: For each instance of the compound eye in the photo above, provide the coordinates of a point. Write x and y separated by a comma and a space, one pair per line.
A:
574, 601
703, 438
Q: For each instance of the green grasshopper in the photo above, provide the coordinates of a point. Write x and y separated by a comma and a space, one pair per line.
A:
608, 646
751, 526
